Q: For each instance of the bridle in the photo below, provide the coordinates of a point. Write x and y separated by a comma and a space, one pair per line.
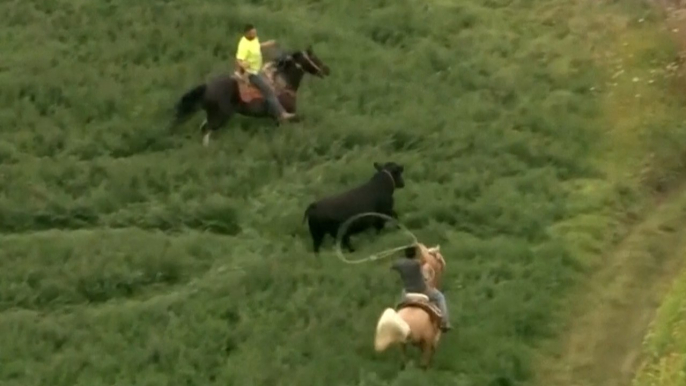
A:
311, 63
306, 56
300, 68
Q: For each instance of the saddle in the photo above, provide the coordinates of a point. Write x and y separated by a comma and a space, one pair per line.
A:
249, 93
422, 301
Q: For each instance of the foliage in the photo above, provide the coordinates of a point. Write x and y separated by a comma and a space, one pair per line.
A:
665, 344
131, 255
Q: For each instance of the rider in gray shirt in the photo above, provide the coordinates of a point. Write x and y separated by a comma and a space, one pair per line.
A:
410, 271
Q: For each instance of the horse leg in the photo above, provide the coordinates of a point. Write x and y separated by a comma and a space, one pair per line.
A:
287, 102
211, 111
215, 119
403, 356
217, 116
213, 124
427, 356
428, 349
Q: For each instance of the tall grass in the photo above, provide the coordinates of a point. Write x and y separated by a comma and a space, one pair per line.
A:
131, 255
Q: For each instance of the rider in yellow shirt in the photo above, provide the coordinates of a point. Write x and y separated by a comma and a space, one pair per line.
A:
249, 60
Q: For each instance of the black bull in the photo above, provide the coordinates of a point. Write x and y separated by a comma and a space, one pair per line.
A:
376, 195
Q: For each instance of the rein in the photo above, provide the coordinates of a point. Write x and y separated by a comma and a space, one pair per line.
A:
299, 66
311, 62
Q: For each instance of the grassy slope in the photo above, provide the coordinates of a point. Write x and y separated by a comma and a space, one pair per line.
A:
665, 344
610, 313
664, 347
613, 309
511, 166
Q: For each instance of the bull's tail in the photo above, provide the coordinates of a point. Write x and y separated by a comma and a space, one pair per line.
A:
390, 329
307, 212
189, 103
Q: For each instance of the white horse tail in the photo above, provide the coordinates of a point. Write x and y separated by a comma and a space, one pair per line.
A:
390, 329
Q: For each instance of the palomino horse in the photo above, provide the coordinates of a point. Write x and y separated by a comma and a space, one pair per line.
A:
415, 320
226, 95
433, 264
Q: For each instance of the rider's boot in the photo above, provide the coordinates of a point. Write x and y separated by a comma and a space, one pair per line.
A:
286, 116
446, 326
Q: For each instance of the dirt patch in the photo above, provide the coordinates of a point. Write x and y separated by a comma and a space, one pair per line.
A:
601, 345
675, 12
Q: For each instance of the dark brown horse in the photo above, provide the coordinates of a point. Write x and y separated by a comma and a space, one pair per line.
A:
226, 95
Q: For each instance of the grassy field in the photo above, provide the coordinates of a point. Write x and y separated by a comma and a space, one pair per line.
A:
133, 256
610, 312
665, 345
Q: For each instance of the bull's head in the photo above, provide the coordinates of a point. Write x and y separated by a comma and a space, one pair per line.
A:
394, 170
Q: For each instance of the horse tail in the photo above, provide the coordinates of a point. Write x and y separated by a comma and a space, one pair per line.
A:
309, 209
390, 329
188, 104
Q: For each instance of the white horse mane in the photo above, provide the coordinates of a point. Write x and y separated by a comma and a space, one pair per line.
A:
436, 252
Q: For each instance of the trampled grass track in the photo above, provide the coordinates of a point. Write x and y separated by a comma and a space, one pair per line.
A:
610, 316
609, 319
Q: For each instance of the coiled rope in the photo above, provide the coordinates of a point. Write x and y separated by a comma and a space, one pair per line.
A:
376, 256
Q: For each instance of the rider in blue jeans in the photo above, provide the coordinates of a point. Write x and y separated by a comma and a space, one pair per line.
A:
410, 270
249, 60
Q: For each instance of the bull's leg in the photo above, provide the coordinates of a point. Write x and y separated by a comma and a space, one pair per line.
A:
317, 238
379, 225
346, 243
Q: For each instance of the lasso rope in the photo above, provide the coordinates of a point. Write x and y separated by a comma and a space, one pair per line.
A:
344, 227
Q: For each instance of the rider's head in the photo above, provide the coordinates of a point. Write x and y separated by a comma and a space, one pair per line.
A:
250, 31
411, 252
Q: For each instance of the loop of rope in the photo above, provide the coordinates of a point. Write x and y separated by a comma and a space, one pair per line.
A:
375, 256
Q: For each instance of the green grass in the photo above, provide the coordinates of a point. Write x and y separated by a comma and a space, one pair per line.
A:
664, 348
133, 256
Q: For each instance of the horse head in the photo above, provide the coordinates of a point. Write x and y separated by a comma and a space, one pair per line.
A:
433, 263
435, 253
305, 60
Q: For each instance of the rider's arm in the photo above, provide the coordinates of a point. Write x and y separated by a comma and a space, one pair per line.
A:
268, 43
240, 66
241, 55
394, 265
